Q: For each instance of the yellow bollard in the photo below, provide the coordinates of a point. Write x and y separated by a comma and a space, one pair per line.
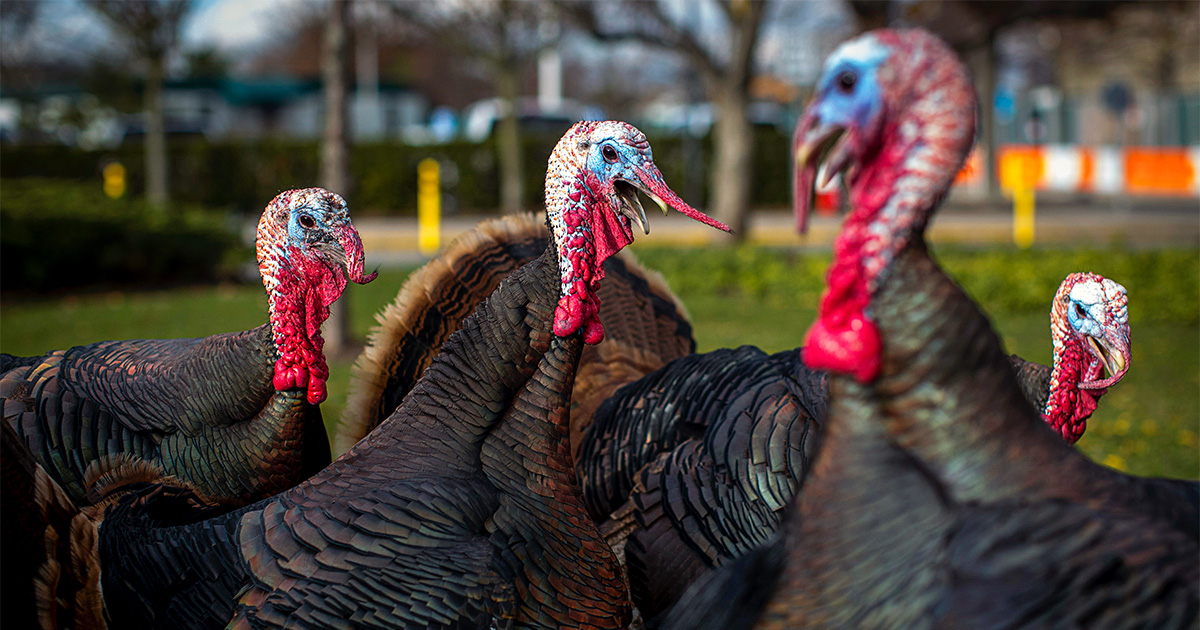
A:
114, 180
429, 207
1019, 174
1023, 209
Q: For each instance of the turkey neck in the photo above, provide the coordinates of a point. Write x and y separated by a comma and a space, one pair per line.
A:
468, 387
946, 392
297, 304
254, 440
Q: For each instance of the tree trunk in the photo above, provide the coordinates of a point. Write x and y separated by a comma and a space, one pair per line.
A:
335, 148
733, 146
983, 62
156, 137
508, 144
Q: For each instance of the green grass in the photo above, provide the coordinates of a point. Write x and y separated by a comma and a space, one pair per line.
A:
1148, 424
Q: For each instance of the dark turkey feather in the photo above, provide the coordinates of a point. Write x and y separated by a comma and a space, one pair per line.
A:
203, 410
645, 325
51, 577
730, 599
1034, 380
696, 397
9, 362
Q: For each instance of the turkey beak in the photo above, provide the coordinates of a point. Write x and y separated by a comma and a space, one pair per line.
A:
629, 205
352, 258
1113, 352
813, 143
650, 181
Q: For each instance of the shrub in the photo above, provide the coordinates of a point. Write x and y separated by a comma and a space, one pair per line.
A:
58, 234
246, 175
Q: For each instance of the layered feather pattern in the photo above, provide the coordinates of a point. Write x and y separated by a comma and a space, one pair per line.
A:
646, 326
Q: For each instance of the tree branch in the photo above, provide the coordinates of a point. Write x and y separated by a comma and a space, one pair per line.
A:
670, 36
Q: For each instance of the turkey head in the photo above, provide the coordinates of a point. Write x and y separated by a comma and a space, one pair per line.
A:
1089, 324
307, 250
898, 122
592, 185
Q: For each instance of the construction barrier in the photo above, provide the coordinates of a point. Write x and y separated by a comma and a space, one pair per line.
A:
1158, 171
1161, 171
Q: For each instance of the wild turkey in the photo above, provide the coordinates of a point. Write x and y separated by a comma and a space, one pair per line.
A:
645, 324
460, 510
939, 497
693, 465
234, 416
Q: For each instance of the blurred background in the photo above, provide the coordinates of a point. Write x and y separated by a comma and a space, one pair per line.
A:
139, 141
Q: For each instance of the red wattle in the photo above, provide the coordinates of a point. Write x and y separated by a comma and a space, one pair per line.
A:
317, 392
1068, 406
282, 379
299, 376
852, 348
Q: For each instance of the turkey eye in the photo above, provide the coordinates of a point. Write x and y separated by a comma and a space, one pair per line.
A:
846, 81
1079, 312
307, 221
609, 153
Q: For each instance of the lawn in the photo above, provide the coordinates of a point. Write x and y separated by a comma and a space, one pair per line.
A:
1148, 424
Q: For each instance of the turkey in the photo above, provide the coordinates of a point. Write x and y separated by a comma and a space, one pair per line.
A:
939, 496
693, 465
645, 324
234, 416
461, 510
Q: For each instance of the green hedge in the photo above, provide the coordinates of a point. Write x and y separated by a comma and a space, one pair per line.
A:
57, 234
246, 175
1164, 285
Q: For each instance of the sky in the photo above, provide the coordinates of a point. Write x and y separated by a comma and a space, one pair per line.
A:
234, 25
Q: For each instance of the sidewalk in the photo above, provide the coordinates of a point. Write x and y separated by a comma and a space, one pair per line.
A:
393, 240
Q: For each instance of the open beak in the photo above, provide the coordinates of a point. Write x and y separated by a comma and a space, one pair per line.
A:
1113, 353
629, 205
815, 143
650, 182
351, 256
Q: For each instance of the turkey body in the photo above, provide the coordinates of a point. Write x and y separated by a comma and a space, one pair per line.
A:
645, 324
457, 511
202, 410
692, 465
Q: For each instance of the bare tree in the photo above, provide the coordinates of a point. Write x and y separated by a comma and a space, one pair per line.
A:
335, 146
725, 64
151, 28
505, 36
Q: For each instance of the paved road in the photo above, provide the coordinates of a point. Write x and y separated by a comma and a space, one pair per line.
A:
390, 241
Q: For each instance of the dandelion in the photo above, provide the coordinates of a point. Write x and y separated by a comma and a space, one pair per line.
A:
1112, 460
